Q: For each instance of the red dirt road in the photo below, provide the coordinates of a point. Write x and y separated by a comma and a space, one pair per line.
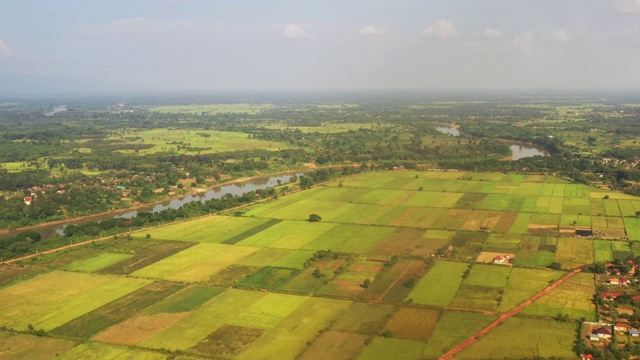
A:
453, 352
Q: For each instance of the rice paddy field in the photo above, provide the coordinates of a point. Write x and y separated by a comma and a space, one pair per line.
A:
400, 267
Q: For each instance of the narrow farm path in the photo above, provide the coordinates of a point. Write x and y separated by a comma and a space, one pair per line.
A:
453, 352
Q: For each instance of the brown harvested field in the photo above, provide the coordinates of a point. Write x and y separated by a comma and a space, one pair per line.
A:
20, 346
413, 324
454, 219
506, 221
335, 345
139, 328
342, 287
408, 242
398, 292
487, 257
228, 340
482, 220
542, 229
362, 318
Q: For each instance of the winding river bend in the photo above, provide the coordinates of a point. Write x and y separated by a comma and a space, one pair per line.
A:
217, 192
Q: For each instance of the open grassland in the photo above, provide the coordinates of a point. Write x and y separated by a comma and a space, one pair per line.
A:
440, 285
45, 304
525, 338
213, 229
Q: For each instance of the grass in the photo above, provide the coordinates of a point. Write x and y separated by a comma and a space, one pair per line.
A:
96, 350
196, 263
20, 346
200, 230
44, 304
488, 275
97, 262
335, 345
289, 338
574, 252
440, 285
269, 311
525, 338
288, 234
116, 311
200, 322
524, 283
389, 348
184, 300
534, 258
413, 324
453, 328
632, 227
364, 318
574, 298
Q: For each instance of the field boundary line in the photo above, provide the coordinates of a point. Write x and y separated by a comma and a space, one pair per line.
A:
504, 317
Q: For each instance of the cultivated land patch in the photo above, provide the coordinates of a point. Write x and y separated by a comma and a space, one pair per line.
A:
440, 285
524, 337
396, 237
20, 346
44, 304
196, 263
213, 229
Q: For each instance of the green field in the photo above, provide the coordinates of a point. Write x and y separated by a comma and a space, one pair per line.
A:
44, 304
389, 272
440, 284
522, 337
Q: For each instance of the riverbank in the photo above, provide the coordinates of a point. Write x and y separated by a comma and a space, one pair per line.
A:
99, 216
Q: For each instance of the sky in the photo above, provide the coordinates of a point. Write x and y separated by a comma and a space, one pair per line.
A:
235, 45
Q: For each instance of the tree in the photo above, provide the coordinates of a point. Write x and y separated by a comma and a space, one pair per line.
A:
314, 218
556, 266
366, 283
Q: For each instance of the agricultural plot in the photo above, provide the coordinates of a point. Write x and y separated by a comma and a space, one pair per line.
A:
573, 298
44, 304
440, 285
453, 328
213, 229
196, 263
525, 338
19, 346
220, 286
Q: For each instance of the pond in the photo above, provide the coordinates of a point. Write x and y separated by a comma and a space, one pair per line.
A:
448, 130
519, 151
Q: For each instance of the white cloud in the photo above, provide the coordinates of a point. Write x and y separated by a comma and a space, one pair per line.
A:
561, 36
294, 32
472, 44
492, 33
371, 30
443, 29
523, 41
628, 6
5, 51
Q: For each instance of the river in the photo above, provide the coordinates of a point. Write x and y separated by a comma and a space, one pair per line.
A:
217, 192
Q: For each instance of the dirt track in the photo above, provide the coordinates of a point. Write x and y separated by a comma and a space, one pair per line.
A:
453, 352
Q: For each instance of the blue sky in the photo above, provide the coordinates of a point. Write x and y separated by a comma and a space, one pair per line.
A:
184, 45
